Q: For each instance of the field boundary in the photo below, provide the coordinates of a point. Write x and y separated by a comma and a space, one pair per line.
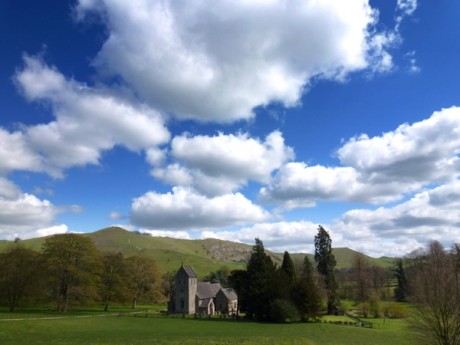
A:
71, 316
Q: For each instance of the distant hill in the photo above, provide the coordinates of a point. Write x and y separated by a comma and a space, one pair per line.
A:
204, 255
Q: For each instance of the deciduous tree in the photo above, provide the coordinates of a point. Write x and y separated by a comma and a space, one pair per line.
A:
18, 274
143, 280
436, 294
219, 276
362, 277
113, 287
73, 265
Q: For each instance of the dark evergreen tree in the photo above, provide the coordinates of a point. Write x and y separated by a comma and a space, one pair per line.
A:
325, 265
283, 281
260, 271
401, 288
288, 267
239, 281
306, 294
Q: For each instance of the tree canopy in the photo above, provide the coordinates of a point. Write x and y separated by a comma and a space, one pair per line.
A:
73, 263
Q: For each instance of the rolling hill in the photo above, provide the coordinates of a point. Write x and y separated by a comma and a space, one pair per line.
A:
204, 255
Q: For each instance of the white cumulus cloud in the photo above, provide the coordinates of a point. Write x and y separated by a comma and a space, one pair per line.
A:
8, 190
216, 61
222, 163
184, 209
27, 216
16, 153
376, 170
88, 120
295, 237
397, 230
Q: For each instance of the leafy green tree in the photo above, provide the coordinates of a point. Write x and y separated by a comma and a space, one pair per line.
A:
219, 276
325, 265
362, 277
260, 270
73, 264
306, 293
113, 287
19, 272
143, 280
167, 283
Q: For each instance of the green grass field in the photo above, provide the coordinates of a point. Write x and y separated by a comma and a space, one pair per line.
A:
95, 327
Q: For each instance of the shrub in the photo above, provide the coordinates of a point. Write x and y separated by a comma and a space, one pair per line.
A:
395, 310
282, 310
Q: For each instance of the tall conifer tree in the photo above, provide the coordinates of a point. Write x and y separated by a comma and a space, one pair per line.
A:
260, 271
326, 264
288, 267
306, 294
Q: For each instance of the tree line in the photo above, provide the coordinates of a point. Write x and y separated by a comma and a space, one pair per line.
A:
303, 291
286, 293
427, 280
70, 270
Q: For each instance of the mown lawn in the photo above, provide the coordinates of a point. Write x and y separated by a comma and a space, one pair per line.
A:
129, 330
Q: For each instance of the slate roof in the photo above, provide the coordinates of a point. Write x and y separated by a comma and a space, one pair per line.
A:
205, 290
216, 287
230, 294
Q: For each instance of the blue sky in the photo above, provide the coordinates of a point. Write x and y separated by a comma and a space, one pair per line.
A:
232, 119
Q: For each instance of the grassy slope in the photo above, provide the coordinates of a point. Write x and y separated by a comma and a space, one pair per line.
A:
169, 253
204, 255
116, 330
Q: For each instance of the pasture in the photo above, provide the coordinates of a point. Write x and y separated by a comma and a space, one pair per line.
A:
94, 327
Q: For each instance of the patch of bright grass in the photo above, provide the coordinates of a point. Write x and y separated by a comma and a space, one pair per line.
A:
150, 328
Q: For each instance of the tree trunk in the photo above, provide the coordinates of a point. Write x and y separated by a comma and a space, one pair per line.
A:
133, 305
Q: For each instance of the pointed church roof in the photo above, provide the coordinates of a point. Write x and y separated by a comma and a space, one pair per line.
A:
204, 290
189, 271
216, 287
229, 293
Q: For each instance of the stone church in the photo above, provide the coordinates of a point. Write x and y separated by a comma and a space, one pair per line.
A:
191, 297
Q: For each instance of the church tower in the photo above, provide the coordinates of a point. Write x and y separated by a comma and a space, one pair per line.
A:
185, 285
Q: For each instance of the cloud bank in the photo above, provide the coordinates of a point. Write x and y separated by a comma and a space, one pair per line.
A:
218, 61
376, 170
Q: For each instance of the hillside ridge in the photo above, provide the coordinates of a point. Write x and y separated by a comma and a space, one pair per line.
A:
205, 255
